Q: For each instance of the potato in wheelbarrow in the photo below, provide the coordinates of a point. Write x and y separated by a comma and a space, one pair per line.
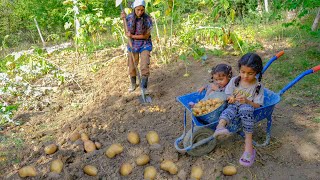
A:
208, 109
206, 106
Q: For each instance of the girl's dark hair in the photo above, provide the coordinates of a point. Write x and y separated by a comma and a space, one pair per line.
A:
253, 61
144, 22
222, 68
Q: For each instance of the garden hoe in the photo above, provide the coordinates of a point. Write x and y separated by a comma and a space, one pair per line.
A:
144, 98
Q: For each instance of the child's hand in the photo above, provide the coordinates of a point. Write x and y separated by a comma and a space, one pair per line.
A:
214, 87
231, 100
242, 99
201, 89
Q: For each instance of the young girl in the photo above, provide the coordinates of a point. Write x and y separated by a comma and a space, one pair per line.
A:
139, 26
220, 75
245, 94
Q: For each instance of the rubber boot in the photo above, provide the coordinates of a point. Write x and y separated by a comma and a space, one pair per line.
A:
144, 84
133, 85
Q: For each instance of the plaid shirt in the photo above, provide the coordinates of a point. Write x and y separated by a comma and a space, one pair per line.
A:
139, 45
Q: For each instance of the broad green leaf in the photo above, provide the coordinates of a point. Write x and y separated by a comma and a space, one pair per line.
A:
67, 25
155, 14
232, 14
157, 2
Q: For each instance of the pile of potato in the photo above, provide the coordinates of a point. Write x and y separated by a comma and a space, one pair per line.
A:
206, 106
125, 169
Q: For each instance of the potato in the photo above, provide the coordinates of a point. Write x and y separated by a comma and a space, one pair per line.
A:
90, 170
56, 166
169, 166
84, 137
125, 169
98, 145
142, 160
89, 146
133, 138
50, 149
196, 172
27, 171
153, 137
150, 173
74, 136
229, 170
114, 150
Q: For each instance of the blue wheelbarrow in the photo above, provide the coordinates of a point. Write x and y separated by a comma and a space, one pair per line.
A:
199, 140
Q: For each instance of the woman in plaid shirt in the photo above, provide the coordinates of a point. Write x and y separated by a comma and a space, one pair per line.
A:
139, 28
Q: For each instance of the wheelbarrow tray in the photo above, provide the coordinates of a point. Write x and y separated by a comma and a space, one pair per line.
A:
270, 100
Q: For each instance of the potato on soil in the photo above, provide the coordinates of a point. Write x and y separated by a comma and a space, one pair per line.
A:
27, 171
153, 137
169, 166
142, 160
98, 145
114, 150
90, 170
74, 136
196, 172
150, 173
125, 169
50, 149
89, 146
133, 138
229, 170
84, 137
56, 166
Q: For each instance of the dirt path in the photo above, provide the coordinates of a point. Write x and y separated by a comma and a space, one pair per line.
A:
111, 112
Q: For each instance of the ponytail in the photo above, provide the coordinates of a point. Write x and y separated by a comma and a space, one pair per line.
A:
237, 81
259, 84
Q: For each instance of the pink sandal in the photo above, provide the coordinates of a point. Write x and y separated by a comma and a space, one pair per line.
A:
247, 159
221, 131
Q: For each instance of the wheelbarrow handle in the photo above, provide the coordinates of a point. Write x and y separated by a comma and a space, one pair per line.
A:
307, 72
275, 57
279, 54
316, 68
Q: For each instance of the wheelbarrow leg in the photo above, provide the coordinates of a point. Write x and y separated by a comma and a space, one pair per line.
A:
268, 133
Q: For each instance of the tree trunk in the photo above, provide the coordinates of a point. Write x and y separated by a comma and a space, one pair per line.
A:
316, 22
266, 5
259, 7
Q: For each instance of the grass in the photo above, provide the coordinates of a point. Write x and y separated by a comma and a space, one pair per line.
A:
301, 53
317, 119
9, 146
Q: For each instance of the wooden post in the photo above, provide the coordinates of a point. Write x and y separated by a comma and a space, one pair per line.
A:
43, 43
316, 21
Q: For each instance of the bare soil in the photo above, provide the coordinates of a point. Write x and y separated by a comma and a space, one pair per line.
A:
100, 105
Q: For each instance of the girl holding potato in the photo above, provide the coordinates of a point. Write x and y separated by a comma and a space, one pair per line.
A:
245, 94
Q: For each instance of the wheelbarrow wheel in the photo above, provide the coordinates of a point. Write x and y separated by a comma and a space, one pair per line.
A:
199, 134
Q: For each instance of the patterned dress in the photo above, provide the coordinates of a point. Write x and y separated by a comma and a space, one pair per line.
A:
139, 26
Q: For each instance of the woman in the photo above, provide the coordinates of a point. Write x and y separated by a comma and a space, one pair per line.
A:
139, 26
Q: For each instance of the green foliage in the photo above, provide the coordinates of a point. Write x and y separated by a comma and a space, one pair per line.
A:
300, 57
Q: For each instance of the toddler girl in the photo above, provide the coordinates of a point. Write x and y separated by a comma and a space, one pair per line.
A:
220, 75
